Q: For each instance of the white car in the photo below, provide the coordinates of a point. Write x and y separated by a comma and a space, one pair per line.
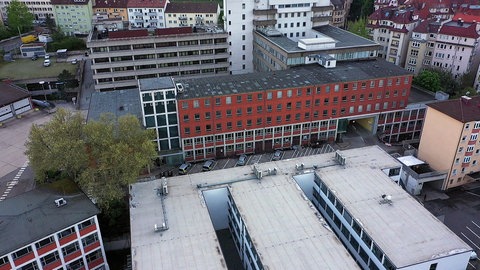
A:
46, 63
74, 61
47, 56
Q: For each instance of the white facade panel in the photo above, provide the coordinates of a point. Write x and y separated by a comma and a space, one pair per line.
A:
5, 113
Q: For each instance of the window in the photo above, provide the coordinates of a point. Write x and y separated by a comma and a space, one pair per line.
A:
70, 248
4, 260
474, 137
279, 94
477, 125
196, 104
30, 266
239, 99
43, 243
66, 232
47, 259
207, 115
21, 252
228, 100
433, 266
466, 159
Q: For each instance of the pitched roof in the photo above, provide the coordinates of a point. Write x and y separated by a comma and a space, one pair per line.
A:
428, 26
146, 3
33, 215
110, 4
396, 15
10, 93
460, 29
469, 18
191, 7
462, 109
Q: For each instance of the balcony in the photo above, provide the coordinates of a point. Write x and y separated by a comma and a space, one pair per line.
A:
321, 18
264, 22
271, 11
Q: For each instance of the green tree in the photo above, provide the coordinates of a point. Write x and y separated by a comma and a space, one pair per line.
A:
359, 27
50, 23
66, 80
19, 18
103, 156
429, 80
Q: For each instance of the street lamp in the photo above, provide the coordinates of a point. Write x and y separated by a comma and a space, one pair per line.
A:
43, 88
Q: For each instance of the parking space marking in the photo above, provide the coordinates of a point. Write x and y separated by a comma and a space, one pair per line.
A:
473, 232
475, 224
469, 240
471, 265
226, 164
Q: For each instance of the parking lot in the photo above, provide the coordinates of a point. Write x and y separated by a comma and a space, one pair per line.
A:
261, 158
461, 213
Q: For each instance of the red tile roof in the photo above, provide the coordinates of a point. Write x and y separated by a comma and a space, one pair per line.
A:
192, 7
459, 109
454, 28
399, 16
469, 18
11, 93
110, 4
128, 33
146, 3
428, 26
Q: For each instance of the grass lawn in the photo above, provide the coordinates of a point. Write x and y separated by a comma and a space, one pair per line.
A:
23, 69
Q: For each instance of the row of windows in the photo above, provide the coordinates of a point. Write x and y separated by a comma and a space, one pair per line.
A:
286, 130
279, 95
129, 47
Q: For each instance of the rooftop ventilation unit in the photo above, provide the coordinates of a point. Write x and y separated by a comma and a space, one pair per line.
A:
386, 199
179, 87
60, 202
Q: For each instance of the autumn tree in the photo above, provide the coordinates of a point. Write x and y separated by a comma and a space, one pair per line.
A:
103, 157
19, 18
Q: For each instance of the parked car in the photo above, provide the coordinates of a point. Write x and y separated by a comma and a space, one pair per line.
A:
277, 155
242, 160
47, 56
208, 165
46, 63
34, 57
74, 61
183, 169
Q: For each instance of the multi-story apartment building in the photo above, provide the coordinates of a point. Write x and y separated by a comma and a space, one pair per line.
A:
191, 14
391, 28
257, 112
41, 230
73, 17
146, 14
291, 20
449, 45
455, 149
122, 57
339, 13
422, 44
114, 9
40, 9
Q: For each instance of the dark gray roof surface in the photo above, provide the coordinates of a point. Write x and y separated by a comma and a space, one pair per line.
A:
462, 109
156, 83
33, 215
11, 93
118, 102
313, 74
343, 38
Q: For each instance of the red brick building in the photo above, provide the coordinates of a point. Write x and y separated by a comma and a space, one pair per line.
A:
229, 115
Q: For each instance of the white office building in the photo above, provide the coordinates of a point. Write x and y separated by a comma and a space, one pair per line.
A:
292, 20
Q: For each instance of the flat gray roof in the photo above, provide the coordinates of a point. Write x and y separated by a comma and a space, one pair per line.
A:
33, 215
285, 227
406, 232
189, 243
155, 83
119, 103
343, 38
306, 75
